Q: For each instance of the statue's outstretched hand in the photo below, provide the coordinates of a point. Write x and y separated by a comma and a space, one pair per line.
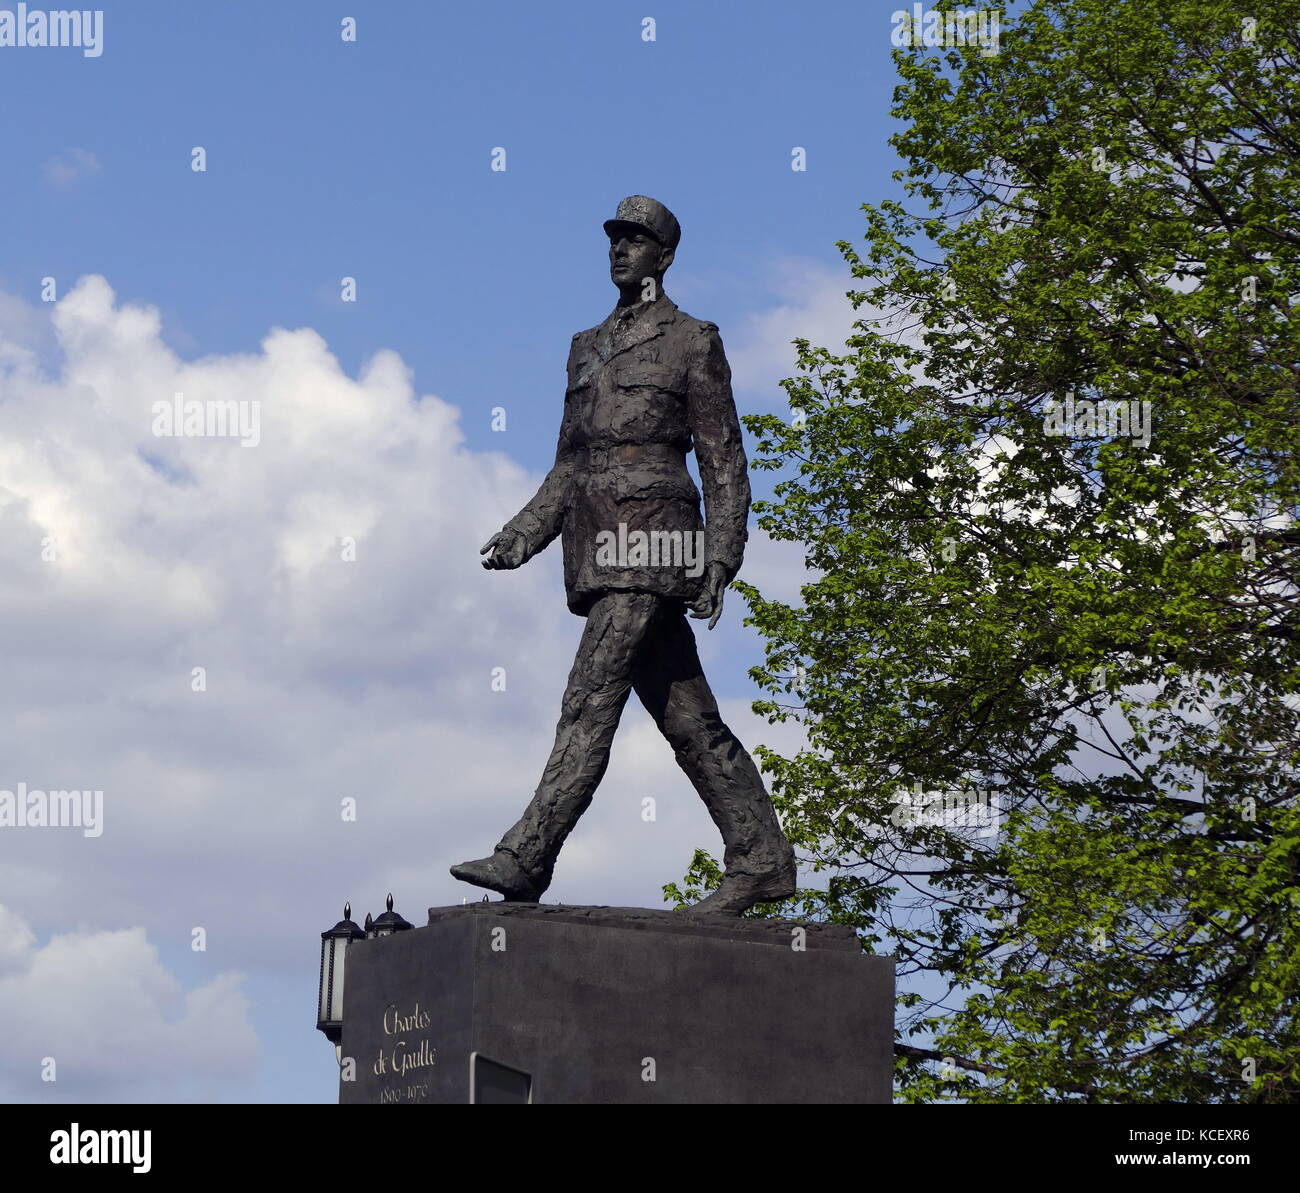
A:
507, 550
709, 602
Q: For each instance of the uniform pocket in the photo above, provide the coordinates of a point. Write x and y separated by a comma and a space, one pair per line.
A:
645, 375
654, 485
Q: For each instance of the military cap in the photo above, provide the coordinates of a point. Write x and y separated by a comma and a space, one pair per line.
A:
649, 214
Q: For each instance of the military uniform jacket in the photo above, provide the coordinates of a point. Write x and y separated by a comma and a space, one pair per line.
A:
644, 388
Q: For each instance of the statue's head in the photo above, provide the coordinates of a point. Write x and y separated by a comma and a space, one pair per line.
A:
643, 238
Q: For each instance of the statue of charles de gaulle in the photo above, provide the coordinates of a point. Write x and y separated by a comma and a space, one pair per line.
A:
645, 387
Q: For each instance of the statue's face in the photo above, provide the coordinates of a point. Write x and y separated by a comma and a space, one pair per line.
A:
635, 256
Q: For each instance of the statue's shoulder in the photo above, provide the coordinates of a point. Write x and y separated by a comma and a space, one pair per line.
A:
586, 333
694, 326
698, 332
583, 340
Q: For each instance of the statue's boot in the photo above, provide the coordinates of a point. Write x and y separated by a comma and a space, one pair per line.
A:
739, 892
500, 873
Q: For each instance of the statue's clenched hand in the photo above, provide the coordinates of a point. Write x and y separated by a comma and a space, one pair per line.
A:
709, 602
507, 547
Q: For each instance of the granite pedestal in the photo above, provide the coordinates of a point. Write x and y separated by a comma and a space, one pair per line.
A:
612, 1005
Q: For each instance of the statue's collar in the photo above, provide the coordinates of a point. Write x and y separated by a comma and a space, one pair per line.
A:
661, 308
627, 327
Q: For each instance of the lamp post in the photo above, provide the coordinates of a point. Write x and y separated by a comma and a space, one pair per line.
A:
386, 924
333, 953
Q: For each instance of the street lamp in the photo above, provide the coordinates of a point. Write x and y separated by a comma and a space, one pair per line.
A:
333, 951
386, 924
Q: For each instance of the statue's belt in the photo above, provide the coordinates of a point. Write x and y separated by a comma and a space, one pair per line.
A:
598, 457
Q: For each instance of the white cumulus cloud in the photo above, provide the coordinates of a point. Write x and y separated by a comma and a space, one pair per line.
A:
92, 1013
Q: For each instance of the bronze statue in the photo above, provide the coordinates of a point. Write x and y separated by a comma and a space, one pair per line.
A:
643, 387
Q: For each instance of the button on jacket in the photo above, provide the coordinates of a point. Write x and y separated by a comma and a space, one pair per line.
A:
644, 388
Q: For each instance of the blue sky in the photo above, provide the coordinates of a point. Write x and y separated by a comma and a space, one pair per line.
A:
370, 160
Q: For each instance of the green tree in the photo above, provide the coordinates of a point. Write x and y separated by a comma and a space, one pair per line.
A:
1017, 592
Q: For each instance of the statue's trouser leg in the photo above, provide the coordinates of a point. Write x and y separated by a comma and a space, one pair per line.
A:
671, 684
616, 630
